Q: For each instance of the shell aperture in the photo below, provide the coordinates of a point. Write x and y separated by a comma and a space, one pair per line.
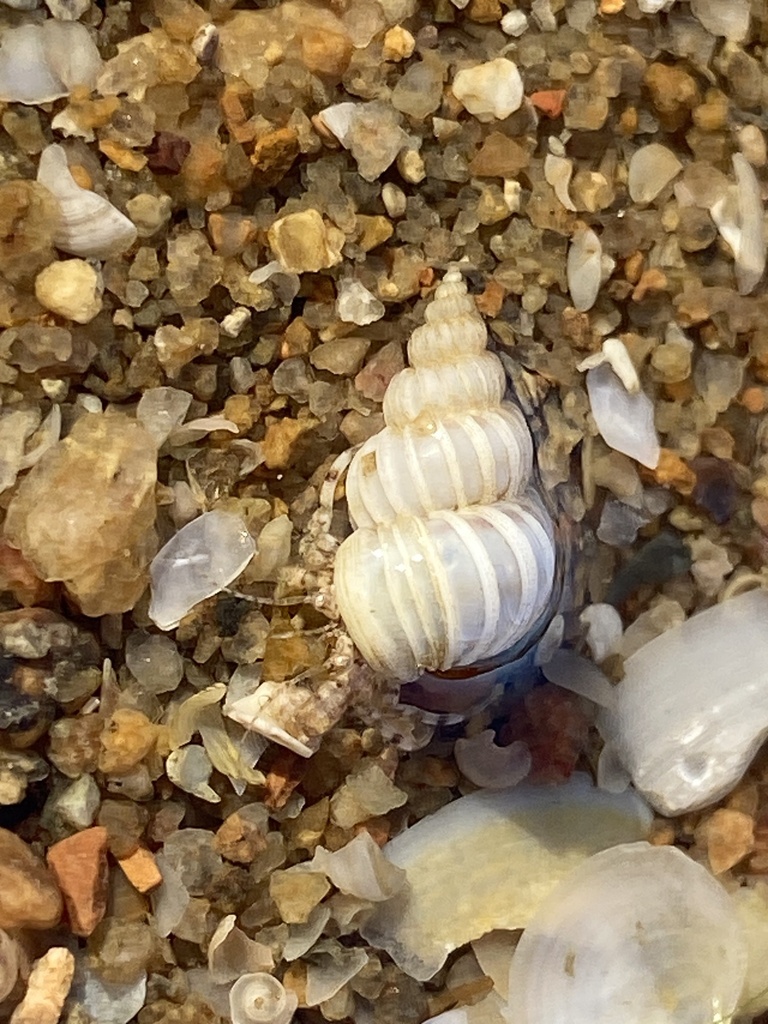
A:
452, 559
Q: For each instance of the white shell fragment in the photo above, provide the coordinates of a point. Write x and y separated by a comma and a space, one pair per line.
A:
203, 558
360, 869
41, 62
651, 169
638, 933
453, 555
584, 268
489, 766
625, 420
558, 171
259, 998
493, 90
692, 709
487, 860
89, 225
739, 219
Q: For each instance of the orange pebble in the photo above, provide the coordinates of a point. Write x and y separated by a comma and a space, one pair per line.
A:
549, 101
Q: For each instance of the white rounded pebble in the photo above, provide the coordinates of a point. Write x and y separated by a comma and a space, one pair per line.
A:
490, 90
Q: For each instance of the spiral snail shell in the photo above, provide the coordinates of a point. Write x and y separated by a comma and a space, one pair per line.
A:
452, 559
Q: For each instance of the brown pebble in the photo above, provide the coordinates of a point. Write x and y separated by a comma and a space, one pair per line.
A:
326, 51
485, 12
167, 152
280, 440
673, 93
141, 870
287, 771
79, 865
501, 157
372, 381
728, 836
29, 896
489, 303
273, 155
651, 280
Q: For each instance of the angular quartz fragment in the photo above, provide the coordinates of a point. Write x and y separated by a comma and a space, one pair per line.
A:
487, 860
85, 513
692, 708
198, 562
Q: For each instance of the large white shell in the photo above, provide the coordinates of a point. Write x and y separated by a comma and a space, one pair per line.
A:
453, 558
638, 934
692, 708
89, 225
487, 861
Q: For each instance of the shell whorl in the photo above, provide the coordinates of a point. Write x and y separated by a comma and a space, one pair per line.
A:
453, 557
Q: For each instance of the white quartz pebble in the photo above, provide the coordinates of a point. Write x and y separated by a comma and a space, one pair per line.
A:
199, 561
490, 90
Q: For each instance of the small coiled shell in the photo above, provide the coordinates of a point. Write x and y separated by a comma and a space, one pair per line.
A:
259, 998
453, 557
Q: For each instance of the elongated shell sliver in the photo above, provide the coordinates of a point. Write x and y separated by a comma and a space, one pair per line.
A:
636, 934
453, 556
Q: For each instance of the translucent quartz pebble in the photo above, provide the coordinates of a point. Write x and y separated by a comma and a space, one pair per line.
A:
42, 62
692, 709
638, 933
109, 1002
650, 170
584, 268
198, 562
625, 420
500, 853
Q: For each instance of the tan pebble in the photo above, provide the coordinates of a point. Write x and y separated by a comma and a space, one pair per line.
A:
48, 986
297, 893
141, 870
79, 864
501, 157
125, 159
745, 798
280, 439
399, 44
674, 93
29, 896
230, 232
70, 288
753, 399
302, 242
373, 231
633, 266
128, 736
81, 176
629, 121
484, 11
297, 339
611, 6
651, 280
662, 833
372, 381
274, 154
671, 471
489, 303
326, 51
728, 836
238, 409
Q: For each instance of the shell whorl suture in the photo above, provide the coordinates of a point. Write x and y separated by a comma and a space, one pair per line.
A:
452, 559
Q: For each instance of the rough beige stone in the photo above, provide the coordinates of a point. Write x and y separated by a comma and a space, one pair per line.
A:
70, 288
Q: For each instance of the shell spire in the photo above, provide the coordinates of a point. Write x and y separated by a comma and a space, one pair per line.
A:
452, 559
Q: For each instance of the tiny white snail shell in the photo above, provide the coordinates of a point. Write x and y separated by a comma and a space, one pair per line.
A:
259, 998
452, 560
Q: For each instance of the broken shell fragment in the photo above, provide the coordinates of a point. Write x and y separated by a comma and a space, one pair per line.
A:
650, 170
42, 62
203, 558
89, 225
692, 708
584, 268
638, 933
739, 219
507, 850
624, 420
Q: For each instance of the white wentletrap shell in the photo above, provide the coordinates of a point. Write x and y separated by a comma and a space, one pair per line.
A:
452, 560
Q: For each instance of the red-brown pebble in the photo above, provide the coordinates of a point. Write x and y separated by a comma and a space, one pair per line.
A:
79, 865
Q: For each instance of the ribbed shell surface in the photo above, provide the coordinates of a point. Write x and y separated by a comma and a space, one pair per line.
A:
453, 555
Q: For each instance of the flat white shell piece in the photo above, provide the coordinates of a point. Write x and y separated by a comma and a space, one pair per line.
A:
199, 561
636, 934
692, 709
625, 420
487, 860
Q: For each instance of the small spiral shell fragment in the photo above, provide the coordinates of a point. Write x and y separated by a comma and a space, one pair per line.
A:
453, 556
